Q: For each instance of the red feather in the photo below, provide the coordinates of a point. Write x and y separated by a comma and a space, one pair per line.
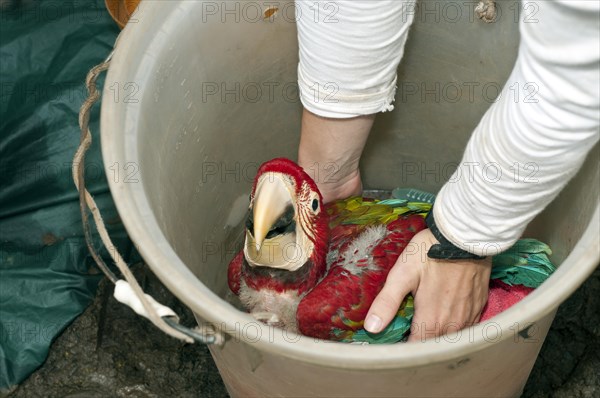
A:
288, 167
341, 301
234, 272
502, 297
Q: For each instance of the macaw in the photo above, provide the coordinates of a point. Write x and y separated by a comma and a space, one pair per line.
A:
316, 269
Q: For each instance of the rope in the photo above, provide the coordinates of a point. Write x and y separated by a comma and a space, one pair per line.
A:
87, 202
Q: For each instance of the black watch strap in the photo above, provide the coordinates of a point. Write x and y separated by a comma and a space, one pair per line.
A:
445, 250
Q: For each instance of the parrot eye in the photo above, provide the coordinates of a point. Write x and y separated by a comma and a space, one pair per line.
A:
315, 204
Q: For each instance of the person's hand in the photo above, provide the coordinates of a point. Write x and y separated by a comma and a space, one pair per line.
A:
448, 294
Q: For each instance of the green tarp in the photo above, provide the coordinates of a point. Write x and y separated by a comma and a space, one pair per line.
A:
47, 277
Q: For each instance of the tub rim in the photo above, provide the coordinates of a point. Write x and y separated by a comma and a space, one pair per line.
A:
142, 226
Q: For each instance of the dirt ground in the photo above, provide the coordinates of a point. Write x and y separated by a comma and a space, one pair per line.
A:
110, 352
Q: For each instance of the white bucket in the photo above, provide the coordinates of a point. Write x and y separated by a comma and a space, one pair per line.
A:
200, 92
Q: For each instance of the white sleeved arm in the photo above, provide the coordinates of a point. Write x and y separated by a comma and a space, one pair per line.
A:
349, 53
526, 148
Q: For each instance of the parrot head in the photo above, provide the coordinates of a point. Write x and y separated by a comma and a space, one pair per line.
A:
286, 228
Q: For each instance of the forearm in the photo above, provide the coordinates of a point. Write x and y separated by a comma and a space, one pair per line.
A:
347, 72
526, 149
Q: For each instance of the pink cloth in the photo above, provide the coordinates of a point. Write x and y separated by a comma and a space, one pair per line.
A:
502, 297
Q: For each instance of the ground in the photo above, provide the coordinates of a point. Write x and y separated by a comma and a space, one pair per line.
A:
109, 351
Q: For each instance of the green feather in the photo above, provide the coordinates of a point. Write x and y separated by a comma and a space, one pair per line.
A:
526, 263
530, 246
356, 211
394, 202
393, 333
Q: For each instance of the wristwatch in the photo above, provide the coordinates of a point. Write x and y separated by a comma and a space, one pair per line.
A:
445, 250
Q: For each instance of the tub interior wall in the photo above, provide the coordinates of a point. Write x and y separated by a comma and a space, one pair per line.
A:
222, 99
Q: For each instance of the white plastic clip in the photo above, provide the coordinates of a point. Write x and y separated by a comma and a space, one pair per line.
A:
124, 294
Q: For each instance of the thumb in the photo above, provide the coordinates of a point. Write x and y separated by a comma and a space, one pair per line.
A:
384, 308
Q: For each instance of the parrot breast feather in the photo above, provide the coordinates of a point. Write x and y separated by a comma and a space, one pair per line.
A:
358, 266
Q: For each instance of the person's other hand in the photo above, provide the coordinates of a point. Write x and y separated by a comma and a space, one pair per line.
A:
448, 294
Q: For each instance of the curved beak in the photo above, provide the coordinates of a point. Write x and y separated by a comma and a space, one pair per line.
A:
271, 200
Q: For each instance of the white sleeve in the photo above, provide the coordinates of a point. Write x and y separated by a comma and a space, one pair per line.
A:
526, 148
349, 53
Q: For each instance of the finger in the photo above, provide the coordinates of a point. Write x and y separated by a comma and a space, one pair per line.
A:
479, 304
476, 315
432, 319
385, 306
428, 322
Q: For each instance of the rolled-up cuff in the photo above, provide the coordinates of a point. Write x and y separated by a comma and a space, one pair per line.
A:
327, 99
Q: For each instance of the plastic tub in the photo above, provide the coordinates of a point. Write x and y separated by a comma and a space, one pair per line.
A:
206, 92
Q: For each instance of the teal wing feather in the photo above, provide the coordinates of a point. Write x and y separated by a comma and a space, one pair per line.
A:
526, 263
396, 331
393, 333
